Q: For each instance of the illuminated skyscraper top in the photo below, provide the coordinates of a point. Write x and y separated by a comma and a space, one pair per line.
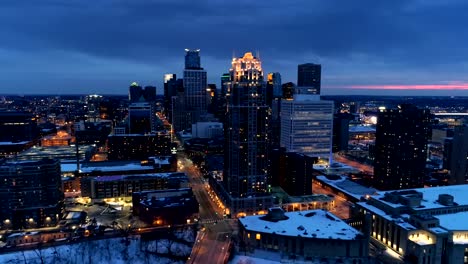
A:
246, 69
246, 137
192, 59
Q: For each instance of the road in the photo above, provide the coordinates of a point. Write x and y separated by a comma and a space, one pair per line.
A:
362, 167
214, 240
341, 204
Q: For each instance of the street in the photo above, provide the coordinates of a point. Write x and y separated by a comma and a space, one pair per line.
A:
362, 167
341, 205
214, 240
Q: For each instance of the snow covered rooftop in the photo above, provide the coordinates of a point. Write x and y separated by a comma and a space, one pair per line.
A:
398, 220
311, 223
349, 187
122, 167
430, 196
137, 176
454, 222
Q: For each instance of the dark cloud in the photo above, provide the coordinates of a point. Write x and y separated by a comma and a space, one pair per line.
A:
102, 45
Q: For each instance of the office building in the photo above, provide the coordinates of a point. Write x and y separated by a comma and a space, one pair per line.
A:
141, 118
341, 131
138, 146
30, 194
459, 156
273, 88
17, 126
307, 126
225, 82
192, 59
93, 104
207, 130
123, 186
246, 126
288, 90
212, 99
170, 91
149, 93
137, 94
309, 75
195, 85
425, 225
448, 148
401, 147
292, 172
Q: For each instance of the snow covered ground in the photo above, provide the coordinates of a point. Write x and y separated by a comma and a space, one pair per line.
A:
270, 257
114, 250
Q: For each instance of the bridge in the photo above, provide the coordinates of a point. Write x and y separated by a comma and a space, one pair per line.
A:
451, 114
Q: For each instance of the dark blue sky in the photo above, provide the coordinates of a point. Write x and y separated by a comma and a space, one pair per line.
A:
101, 46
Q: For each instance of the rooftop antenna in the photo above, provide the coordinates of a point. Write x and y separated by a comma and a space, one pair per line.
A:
233, 53
257, 54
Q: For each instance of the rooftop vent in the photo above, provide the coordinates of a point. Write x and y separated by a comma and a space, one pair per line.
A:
446, 199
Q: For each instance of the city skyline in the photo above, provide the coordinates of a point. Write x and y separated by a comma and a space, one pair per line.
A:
381, 48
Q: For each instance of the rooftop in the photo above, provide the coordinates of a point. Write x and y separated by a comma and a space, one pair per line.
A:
430, 196
311, 223
138, 176
454, 222
349, 187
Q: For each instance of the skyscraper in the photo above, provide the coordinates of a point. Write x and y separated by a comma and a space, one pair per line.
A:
195, 85
192, 59
274, 83
225, 82
246, 126
30, 194
141, 118
138, 94
170, 90
401, 147
309, 75
307, 125
459, 156
135, 92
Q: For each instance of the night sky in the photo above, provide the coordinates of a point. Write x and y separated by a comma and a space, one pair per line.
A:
365, 47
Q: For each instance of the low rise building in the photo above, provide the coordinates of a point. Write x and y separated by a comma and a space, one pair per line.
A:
166, 207
122, 186
425, 225
30, 194
308, 234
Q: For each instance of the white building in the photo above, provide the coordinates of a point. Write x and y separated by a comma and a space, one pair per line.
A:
425, 226
207, 129
311, 235
307, 125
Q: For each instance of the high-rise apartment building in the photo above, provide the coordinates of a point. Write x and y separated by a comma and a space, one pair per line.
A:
195, 84
137, 94
459, 156
274, 84
246, 137
307, 126
309, 75
141, 118
134, 92
30, 194
170, 91
400, 151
